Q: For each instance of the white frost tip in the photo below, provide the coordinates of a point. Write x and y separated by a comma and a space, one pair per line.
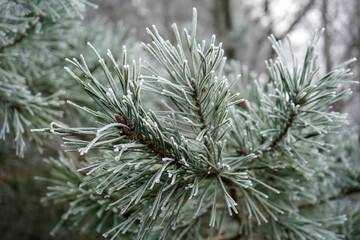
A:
38, 129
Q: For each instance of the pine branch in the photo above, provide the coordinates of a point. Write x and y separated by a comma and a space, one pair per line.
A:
201, 117
23, 36
135, 136
157, 169
275, 141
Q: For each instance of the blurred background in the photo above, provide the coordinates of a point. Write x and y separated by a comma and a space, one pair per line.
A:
242, 25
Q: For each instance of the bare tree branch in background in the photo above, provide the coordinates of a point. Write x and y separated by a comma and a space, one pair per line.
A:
357, 39
261, 40
324, 15
297, 19
353, 48
223, 24
270, 26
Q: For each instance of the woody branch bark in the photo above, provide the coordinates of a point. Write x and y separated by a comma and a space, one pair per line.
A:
201, 117
135, 136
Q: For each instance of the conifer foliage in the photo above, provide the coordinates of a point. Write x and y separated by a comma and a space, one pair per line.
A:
208, 163
35, 38
32, 42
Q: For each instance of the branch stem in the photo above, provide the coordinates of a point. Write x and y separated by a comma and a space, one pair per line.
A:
278, 139
275, 141
202, 119
134, 136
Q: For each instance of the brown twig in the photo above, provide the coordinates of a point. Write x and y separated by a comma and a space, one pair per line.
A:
132, 134
201, 117
275, 141
289, 123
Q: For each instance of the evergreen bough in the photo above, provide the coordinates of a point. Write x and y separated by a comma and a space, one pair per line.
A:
35, 37
209, 164
31, 43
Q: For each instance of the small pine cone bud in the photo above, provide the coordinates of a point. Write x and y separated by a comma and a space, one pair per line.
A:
193, 83
121, 119
15, 106
244, 105
133, 136
240, 152
204, 89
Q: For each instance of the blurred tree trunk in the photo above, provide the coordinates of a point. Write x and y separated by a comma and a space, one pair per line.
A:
357, 37
223, 24
270, 31
166, 6
327, 56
